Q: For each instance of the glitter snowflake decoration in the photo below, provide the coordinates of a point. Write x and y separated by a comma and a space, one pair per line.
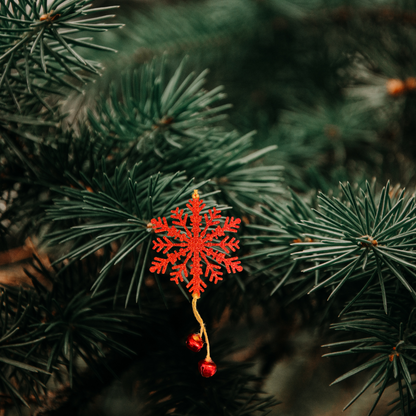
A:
196, 245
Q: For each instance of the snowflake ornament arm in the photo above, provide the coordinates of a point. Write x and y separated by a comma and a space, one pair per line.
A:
196, 245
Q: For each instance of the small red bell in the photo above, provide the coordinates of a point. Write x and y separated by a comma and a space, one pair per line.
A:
207, 367
194, 342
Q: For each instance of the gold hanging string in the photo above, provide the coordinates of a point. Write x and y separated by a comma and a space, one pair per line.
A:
195, 298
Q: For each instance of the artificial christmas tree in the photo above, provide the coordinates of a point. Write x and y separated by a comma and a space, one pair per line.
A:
92, 167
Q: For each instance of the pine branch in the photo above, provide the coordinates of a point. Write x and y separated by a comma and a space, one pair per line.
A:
325, 137
37, 50
388, 342
163, 113
44, 331
271, 252
360, 237
355, 238
21, 373
169, 125
192, 28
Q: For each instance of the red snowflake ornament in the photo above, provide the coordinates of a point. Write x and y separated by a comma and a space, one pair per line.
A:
196, 244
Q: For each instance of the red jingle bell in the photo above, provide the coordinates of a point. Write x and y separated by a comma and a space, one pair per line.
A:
207, 367
194, 342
